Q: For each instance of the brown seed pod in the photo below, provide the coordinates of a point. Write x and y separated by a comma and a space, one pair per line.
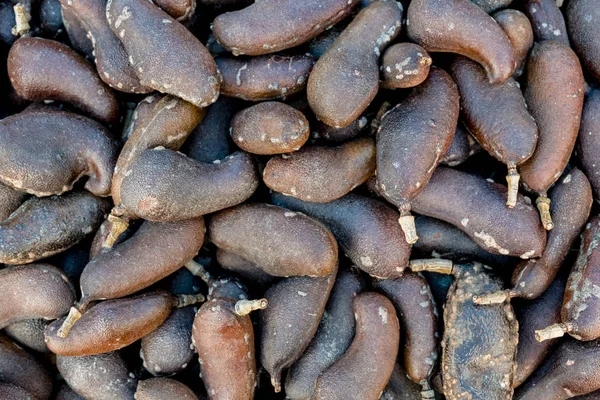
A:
554, 95
279, 241
181, 10
332, 339
269, 128
247, 270
277, 25
346, 78
321, 174
364, 370
582, 20
547, 21
77, 34
142, 111
31, 143
29, 333
517, 27
13, 392
365, 228
264, 78
589, 143
47, 226
459, 26
180, 65
98, 377
167, 186
18, 367
411, 140
59, 73
289, 323
404, 65
163, 388
484, 109
456, 197
462, 147
489, 6
480, 343
10, 200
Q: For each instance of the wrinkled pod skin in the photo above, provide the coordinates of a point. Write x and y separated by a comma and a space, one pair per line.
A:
163, 388
404, 65
589, 140
10, 200
582, 24
412, 139
518, 29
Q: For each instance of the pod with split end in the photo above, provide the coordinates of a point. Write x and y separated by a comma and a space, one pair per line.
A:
547, 20
589, 140
404, 65
10, 200
582, 24
163, 388
517, 27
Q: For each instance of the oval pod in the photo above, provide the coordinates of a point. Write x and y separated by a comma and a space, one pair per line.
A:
582, 18
163, 388
404, 65
518, 29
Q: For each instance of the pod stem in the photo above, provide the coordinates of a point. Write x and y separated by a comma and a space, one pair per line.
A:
22, 18
245, 307
553, 331
184, 300
198, 270
513, 187
439, 265
407, 223
543, 206
65, 328
276, 382
494, 298
118, 225
426, 392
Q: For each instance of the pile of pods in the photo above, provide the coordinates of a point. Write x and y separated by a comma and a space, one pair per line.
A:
299, 199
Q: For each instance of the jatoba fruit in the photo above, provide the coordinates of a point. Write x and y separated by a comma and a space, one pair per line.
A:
365, 368
547, 21
404, 65
462, 147
588, 140
554, 94
181, 10
365, 228
164, 185
163, 388
582, 23
59, 73
98, 377
264, 78
332, 339
456, 197
411, 140
142, 111
484, 108
518, 29
180, 65
279, 241
244, 268
14, 392
321, 174
29, 333
276, 25
345, 79
77, 34
10, 200
41, 227
44, 152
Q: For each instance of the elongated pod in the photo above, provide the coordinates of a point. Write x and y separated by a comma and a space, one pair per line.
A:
29, 333
582, 18
10, 200
517, 27
547, 21
411, 140
589, 140
163, 388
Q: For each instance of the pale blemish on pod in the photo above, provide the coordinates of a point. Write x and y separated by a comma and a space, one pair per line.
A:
517, 27
404, 65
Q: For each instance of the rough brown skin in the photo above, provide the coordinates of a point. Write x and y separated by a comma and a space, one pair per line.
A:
289, 323
10, 200
264, 78
318, 45
404, 65
181, 10
364, 370
463, 146
571, 370
163, 388
277, 25
582, 22
321, 174
480, 343
42, 227
18, 367
13, 392
547, 21
77, 34
484, 108
29, 333
279, 241
98, 377
142, 110
459, 26
59, 73
332, 339
269, 128
180, 64
31, 141
589, 139
456, 197
345, 79
518, 29
411, 140
167, 186
365, 228
244, 268
112, 325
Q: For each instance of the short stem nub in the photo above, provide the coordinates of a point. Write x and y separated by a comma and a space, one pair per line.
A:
439, 265
494, 298
65, 328
426, 392
198, 270
184, 300
407, 222
513, 187
245, 307
543, 206
275, 381
552, 331
22, 18
117, 225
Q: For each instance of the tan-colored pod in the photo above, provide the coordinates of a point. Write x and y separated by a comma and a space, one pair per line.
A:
180, 64
279, 241
162, 389
517, 27
321, 174
164, 185
265, 77
269, 128
42, 227
365, 368
404, 65
345, 79
459, 26
277, 25
554, 94
41, 69
44, 152
10, 200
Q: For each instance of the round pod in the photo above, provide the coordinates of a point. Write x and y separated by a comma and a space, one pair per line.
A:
404, 65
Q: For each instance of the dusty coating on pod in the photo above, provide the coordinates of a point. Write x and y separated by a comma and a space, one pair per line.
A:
59, 73
180, 65
582, 21
29, 333
589, 140
277, 25
404, 65
518, 29
411, 140
547, 20
345, 79
365, 368
142, 110
30, 141
321, 174
163, 388
13, 392
10, 200
461, 27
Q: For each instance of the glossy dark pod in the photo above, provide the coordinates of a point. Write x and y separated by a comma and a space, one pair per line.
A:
7, 21
51, 18
29, 333
163, 388
547, 20
404, 65
10, 200
518, 29
589, 140
582, 23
